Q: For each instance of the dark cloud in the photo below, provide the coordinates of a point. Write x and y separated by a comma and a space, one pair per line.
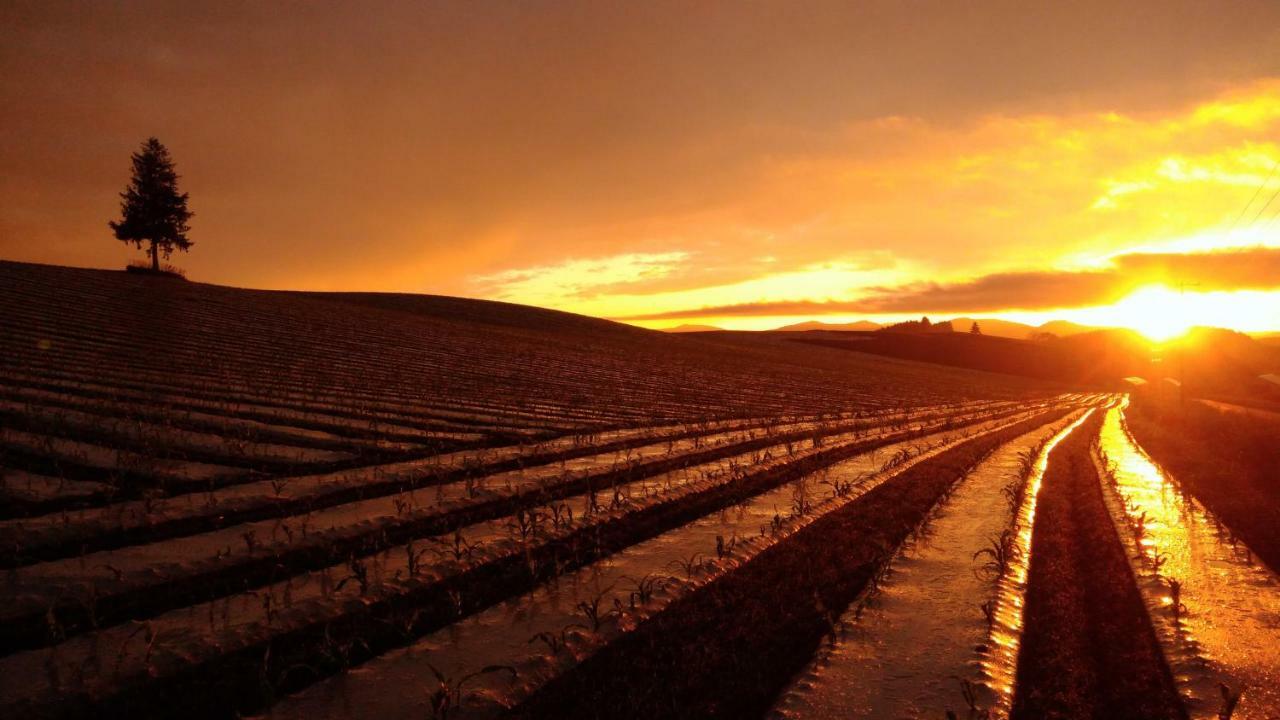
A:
1247, 269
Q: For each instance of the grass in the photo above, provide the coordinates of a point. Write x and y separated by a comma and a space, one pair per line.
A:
1088, 648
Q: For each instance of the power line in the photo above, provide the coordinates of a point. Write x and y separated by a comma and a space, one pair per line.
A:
1267, 223
1274, 195
1256, 193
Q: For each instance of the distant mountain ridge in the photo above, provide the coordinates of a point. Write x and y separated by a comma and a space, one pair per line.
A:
989, 326
858, 325
689, 328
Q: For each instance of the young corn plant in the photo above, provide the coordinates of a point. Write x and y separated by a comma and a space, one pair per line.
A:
988, 609
556, 642
969, 691
691, 566
1176, 605
359, 573
413, 558
644, 589
1230, 698
591, 609
723, 547
1001, 552
801, 503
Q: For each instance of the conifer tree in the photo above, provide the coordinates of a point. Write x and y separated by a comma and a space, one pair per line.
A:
152, 210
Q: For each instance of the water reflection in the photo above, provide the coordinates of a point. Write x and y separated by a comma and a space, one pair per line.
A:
1223, 626
908, 652
999, 659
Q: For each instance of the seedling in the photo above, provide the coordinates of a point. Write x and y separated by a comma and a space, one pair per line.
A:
1230, 698
1175, 599
725, 548
413, 558
1001, 551
359, 573
989, 612
645, 587
691, 566
1158, 560
591, 609
557, 641
278, 484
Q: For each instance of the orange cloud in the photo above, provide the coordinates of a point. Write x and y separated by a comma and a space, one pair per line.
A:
1251, 269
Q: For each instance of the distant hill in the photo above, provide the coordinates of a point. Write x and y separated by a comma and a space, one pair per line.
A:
1097, 359
989, 326
995, 327
1065, 328
1212, 363
1020, 331
691, 328
858, 326
921, 326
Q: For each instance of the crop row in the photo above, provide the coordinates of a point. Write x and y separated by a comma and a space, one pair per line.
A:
554, 554
135, 578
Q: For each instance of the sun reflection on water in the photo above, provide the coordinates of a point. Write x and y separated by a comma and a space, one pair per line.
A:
1227, 627
1000, 664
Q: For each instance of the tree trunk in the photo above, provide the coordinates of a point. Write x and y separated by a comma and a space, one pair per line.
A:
155, 257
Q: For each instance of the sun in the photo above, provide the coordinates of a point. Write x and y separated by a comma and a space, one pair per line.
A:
1156, 311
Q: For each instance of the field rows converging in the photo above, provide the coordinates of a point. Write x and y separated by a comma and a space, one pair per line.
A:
907, 649
367, 525
730, 647
480, 473
222, 503
1216, 607
561, 622
508, 540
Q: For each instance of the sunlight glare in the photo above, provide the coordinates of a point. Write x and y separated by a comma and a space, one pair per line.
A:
1156, 311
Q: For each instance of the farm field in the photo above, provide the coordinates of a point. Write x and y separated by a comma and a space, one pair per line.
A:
220, 503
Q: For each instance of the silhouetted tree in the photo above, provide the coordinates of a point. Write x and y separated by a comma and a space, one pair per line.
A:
974, 329
152, 210
924, 321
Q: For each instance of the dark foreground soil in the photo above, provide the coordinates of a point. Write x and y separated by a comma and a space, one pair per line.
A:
1088, 650
728, 649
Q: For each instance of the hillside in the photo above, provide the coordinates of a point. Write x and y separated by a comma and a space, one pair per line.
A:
419, 355
1213, 363
1097, 359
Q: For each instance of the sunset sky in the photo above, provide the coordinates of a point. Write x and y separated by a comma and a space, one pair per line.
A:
745, 165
